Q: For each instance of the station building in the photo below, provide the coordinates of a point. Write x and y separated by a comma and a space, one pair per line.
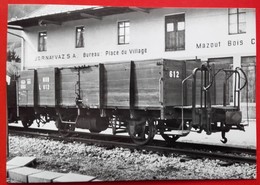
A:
59, 35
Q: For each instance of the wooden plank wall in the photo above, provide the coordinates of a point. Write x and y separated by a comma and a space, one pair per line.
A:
68, 79
117, 84
153, 81
46, 93
26, 88
174, 73
147, 87
89, 85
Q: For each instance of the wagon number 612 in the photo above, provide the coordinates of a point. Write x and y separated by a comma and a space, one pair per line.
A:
174, 74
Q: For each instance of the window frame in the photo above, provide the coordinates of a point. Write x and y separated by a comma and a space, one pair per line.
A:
238, 14
82, 45
177, 18
124, 35
42, 45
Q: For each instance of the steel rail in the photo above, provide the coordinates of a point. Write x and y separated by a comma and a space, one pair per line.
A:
231, 154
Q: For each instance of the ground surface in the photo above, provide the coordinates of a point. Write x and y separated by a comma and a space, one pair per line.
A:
122, 164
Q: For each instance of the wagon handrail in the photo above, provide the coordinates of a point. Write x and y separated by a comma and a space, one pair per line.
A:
211, 82
245, 77
182, 101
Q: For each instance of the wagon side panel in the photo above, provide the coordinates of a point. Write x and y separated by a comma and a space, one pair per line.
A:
46, 87
67, 84
147, 79
116, 86
174, 73
26, 88
89, 86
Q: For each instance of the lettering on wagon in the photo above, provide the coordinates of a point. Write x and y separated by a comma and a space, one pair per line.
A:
23, 84
44, 87
174, 74
45, 84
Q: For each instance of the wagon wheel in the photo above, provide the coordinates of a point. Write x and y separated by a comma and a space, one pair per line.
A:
94, 131
141, 132
64, 129
171, 138
26, 122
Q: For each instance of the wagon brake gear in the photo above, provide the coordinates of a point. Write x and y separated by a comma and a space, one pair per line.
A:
42, 119
64, 129
66, 122
118, 126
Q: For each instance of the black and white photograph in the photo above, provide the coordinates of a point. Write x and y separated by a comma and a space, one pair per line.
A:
111, 93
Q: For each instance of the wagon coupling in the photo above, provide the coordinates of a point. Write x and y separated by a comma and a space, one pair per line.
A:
223, 135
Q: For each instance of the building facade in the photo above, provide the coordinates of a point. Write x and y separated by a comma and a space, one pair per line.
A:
78, 35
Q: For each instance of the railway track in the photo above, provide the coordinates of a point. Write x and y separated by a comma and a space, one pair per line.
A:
223, 153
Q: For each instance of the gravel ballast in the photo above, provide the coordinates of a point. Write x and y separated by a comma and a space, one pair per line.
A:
121, 164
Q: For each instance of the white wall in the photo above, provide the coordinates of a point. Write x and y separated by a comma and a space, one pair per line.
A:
204, 27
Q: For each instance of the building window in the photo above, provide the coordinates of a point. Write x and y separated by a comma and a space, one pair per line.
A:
123, 32
237, 20
80, 37
175, 32
42, 41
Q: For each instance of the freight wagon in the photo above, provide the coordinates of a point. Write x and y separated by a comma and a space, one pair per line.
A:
142, 98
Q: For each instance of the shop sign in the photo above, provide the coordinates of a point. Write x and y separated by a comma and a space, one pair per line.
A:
228, 43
